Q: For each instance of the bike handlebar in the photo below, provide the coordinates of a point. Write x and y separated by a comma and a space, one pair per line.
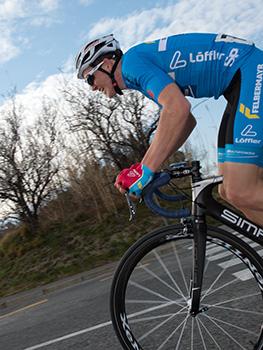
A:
152, 190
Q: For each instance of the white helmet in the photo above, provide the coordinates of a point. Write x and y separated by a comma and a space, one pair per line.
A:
94, 49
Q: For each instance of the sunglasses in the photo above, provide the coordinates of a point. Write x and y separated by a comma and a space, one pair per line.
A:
90, 77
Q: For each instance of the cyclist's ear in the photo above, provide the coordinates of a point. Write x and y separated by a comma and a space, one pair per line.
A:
108, 63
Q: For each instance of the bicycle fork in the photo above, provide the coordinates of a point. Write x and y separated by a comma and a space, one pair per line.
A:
199, 252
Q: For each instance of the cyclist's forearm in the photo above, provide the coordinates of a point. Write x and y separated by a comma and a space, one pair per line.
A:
171, 133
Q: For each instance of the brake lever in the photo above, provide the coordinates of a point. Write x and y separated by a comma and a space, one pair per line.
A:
131, 206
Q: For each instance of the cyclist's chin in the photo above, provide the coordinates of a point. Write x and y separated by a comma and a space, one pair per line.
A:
110, 93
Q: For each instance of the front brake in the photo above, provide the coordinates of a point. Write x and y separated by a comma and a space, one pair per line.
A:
131, 206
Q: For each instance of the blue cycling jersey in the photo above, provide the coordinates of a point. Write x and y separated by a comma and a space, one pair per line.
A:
208, 65
202, 65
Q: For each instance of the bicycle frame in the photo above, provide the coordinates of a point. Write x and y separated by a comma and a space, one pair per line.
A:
204, 204
227, 216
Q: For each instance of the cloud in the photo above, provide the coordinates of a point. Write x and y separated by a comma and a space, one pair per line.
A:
43, 21
243, 19
36, 92
49, 5
186, 16
17, 15
11, 9
69, 65
7, 49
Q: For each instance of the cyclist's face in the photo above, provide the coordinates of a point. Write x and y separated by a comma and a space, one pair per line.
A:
99, 80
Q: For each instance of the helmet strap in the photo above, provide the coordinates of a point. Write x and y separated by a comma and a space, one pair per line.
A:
111, 74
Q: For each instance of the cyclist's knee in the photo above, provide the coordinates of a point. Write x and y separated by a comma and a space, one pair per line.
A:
240, 185
238, 197
221, 192
232, 197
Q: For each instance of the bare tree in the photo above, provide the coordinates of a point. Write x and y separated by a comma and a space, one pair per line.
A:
138, 122
29, 162
117, 130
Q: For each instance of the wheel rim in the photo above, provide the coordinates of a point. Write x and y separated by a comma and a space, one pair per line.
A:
156, 310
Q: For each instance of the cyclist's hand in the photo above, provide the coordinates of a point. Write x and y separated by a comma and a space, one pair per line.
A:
134, 179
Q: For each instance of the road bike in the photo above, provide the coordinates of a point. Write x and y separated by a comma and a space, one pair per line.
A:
191, 285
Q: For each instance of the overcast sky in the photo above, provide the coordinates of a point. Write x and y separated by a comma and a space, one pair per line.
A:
40, 38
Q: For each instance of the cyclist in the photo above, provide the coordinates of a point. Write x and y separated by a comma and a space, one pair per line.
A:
198, 65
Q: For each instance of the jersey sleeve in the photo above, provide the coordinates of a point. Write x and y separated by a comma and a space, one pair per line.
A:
146, 77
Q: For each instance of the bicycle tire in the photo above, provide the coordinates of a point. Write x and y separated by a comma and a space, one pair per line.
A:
126, 312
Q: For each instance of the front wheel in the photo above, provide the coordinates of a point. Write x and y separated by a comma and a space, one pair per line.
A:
150, 300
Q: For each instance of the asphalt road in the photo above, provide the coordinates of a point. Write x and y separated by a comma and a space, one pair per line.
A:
77, 317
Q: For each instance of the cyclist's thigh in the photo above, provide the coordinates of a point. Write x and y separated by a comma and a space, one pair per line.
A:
241, 177
245, 144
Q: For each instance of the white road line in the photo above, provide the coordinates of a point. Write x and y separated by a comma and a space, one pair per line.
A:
243, 275
260, 252
235, 261
42, 345
219, 256
229, 263
213, 250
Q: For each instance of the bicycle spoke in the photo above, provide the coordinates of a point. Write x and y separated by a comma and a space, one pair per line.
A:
236, 309
213, 283
224, 331
221, 287
152, 318
131, 301
138, 313
181, 334
190, 285
206, 266
174, 331
151, 297
150, 291
180, 266
201, 334
238, 298
168, 273
192, 334
158, 326
210, 335
232, 325
160, 279
155, 328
